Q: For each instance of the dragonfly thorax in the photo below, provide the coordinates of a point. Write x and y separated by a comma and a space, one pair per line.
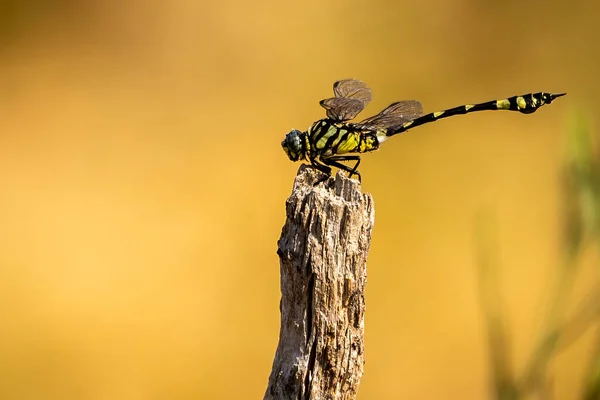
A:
293, 145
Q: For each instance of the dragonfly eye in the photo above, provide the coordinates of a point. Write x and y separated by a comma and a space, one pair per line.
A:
292, 145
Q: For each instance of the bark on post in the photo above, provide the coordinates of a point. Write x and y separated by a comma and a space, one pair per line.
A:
323, 251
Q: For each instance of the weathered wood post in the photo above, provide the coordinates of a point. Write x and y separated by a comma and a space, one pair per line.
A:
323, 252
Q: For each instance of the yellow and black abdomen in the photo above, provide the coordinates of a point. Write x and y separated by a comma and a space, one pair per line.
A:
329, 138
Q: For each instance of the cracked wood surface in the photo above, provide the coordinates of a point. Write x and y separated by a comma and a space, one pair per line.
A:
323, 252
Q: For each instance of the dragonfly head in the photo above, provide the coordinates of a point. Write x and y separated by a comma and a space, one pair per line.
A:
293, 145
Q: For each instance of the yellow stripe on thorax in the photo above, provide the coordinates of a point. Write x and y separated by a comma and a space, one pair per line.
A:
340, 135
333, 130
349, 144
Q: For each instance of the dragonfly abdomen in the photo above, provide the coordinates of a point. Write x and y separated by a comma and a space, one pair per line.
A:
525, 104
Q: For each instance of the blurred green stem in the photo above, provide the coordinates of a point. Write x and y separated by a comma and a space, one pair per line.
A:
591, 385
533, 377
489, 291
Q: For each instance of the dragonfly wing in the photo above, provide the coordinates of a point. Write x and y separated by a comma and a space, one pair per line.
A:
394, 115
353, 89
351, 97
342, 109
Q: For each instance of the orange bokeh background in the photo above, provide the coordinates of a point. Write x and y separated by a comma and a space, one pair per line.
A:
143, 188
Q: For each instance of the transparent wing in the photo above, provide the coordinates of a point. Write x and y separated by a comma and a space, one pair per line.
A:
342, 109
394, 116
351, 97
353, 89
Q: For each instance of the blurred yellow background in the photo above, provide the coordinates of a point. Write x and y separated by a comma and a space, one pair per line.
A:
143, 187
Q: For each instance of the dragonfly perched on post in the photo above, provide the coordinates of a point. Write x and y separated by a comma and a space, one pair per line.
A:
329, 141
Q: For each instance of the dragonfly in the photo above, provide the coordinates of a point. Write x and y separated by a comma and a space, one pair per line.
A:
330, 141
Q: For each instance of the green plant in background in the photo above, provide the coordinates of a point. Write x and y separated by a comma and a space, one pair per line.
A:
583, 227
503, 379
581, 233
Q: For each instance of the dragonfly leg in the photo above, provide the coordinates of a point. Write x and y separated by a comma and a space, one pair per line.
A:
321, 167
334, 161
